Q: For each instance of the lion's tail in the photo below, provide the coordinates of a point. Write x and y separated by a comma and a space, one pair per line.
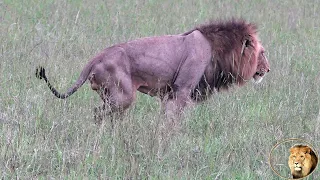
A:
40, 73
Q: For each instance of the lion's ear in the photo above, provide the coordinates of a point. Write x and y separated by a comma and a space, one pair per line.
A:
308, 150
247, 40
291, 150
248, 43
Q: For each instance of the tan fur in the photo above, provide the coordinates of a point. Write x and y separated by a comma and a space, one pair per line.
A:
302, 161
179, 68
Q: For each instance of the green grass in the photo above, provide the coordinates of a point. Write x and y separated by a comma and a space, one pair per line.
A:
227, 137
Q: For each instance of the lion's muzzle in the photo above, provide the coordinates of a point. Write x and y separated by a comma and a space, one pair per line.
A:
258, 76
297, 166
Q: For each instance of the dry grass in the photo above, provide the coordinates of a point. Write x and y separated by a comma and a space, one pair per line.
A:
228, 137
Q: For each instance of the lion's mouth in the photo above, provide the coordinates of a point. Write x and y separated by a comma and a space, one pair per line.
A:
297, 168
258, 76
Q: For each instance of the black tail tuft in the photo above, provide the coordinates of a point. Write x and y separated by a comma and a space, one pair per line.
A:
40, 73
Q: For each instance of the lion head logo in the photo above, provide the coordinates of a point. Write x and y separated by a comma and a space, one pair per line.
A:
302, 161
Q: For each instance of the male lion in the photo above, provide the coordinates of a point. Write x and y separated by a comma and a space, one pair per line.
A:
177, 68
302, 161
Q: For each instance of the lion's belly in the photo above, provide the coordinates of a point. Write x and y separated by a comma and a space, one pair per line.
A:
158, 90
147, 90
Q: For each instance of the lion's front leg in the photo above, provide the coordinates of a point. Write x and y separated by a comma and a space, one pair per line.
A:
175, 105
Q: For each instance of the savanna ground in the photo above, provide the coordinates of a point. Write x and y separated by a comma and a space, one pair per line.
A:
227, 137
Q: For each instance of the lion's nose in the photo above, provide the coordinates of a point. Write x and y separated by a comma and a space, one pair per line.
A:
296, 163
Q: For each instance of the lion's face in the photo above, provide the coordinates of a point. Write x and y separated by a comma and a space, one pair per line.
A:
300, 161
263, 66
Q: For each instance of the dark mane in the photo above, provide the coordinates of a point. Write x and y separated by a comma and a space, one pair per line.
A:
227, 34
228, 40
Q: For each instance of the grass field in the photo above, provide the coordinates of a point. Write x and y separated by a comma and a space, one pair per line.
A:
228, 137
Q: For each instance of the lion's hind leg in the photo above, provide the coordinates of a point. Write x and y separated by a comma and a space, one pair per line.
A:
117, 97
112, 79
99, 114
121, 96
